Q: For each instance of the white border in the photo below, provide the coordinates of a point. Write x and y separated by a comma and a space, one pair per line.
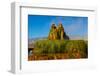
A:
19, 38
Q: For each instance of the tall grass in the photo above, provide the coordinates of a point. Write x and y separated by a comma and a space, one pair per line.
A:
71, 47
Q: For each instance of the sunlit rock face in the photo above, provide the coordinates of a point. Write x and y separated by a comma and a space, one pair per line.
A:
57, 33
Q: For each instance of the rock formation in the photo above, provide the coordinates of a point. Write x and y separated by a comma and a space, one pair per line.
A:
57, 33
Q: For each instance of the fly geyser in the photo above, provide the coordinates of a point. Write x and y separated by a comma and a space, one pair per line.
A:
57, 33
57, 45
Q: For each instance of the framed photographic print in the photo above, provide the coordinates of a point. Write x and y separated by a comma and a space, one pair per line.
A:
49, 38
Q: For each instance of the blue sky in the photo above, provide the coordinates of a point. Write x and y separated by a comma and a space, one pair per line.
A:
39, 25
